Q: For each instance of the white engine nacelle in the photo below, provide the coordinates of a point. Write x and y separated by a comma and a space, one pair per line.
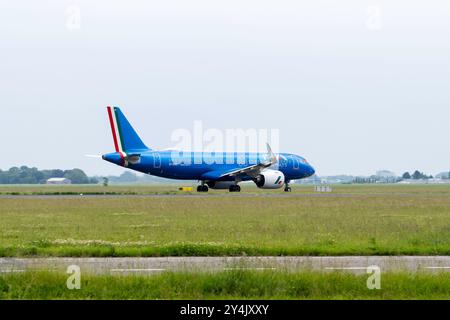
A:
220, 184
270, 179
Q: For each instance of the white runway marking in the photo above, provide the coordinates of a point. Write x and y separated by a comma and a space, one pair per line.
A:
137, 270
348, 268
257, 269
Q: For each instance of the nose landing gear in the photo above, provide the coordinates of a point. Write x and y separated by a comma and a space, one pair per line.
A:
286, 187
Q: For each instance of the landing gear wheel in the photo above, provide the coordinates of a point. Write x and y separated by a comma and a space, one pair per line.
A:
286, 187
235, 188
202, 188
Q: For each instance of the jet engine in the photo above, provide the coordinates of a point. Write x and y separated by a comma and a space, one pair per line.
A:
220, 184
270, 179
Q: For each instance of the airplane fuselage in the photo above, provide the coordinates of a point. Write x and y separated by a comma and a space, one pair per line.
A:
204, 166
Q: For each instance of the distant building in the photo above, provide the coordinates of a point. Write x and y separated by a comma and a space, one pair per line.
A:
311, 180
58, 181
385, 174
443, 175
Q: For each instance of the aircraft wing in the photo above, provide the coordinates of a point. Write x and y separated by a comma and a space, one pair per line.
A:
254, 170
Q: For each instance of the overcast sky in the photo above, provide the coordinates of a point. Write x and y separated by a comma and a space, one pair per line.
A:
354, 86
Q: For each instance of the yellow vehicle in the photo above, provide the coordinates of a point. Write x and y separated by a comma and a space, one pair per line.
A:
186, 189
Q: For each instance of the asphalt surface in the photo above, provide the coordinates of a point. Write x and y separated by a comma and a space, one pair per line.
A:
224, 195
356, 264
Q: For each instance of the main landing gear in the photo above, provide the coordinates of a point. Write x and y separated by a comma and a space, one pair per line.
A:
235, 188
286, 187
203, 187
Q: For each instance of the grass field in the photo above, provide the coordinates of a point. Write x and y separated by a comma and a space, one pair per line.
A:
226, 285
354, 220
249, 188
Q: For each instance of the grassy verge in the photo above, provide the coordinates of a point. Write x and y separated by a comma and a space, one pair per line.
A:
226, 285
162, 189
205, 250
73, 190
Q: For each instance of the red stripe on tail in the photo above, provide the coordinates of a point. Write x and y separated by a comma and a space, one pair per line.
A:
111, 121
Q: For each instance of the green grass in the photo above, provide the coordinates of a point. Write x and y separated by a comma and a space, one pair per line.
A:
162, 189
365, 220
380, 189
226, 285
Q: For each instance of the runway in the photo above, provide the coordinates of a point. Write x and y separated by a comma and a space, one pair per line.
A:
212, 196
126, 266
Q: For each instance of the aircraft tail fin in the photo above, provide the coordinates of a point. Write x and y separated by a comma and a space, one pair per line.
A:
125, 137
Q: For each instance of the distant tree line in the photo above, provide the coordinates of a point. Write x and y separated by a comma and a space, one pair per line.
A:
128, 177
376, 179
26, 175
417, 175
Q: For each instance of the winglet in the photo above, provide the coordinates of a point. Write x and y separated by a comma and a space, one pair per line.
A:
272, 158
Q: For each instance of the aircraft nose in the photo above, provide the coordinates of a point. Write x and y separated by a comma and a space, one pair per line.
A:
311, 170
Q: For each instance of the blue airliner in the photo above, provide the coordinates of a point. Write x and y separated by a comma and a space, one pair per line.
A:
222, 170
